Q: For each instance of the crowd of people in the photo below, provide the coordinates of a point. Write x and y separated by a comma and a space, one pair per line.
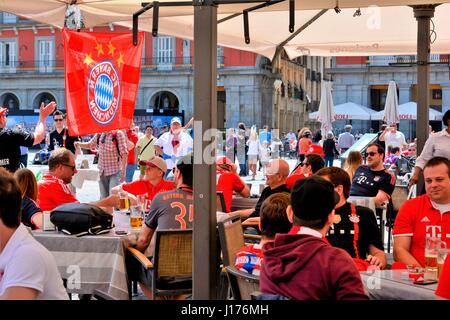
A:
314, 240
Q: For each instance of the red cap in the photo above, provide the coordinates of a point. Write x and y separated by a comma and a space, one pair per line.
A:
223, 160
3, 111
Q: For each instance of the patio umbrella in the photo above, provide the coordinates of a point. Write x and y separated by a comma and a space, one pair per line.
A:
348, 111
408, 111
326, 109
391, 105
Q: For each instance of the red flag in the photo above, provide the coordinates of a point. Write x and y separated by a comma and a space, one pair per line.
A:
102, 73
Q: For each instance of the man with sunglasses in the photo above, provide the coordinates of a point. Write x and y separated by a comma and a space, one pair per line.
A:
310, 165
11, 140
60, 138
373, 180
53, 189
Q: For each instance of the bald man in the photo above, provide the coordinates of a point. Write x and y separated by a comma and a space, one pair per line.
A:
276, 173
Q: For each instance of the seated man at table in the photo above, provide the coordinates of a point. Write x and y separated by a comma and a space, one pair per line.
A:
228, 181
354, 228
52, 188
27, 270
427, 215
276, 173
310, 165
301, 265
373, 180
151, 184
166, 213
273, 220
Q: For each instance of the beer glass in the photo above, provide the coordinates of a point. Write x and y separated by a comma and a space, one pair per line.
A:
441, 256
121, 222
136, 218
124, 202
432, 245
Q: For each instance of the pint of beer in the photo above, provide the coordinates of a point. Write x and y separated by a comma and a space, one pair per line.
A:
124, 202
136, 217
441, 256
432, 246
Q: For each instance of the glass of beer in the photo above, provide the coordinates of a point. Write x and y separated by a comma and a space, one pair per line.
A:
124, 202
136, 218
441, 256
432, 245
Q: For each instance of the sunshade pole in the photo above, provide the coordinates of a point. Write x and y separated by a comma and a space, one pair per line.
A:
205, 266
292, 36
423, 14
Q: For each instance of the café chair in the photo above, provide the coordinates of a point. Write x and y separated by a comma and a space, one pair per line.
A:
242, 283
171, 270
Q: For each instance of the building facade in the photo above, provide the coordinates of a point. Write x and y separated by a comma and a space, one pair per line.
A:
364, 80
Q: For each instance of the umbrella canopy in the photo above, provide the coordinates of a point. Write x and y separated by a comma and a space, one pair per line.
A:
378, 30
326, 109
348, 111
391, 105
408, 111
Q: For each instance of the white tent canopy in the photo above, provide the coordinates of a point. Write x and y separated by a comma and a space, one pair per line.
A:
348, 111
378, 31
408, 111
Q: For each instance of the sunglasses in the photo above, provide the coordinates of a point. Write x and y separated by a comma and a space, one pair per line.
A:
58, 120
304, 164
372, 153
68, 165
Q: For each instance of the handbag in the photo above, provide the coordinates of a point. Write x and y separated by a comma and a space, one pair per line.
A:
81, 219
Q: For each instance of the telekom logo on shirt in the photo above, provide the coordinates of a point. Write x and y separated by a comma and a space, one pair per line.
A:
435, 231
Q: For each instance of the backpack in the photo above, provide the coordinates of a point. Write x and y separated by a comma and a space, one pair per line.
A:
81, 219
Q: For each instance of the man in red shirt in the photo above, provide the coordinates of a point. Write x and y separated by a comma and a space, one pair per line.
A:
427, 215
151, 184
131, 161
310, 165
52, 188
228, 181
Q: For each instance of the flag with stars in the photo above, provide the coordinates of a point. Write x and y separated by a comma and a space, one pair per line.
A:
102, 71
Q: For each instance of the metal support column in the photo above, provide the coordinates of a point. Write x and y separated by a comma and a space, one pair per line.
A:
205, 114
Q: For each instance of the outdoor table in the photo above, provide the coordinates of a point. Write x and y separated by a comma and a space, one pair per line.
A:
97, 261
239, 203
91, 174
395, 285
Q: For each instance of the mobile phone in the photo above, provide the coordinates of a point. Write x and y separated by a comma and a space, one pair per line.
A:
425, 282
120, 232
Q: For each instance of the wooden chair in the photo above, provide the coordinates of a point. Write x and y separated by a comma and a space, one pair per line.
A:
171, 270
232, 238
220, 198
242, 284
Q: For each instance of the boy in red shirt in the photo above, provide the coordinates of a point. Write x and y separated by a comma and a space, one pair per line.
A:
427, 215
151, 184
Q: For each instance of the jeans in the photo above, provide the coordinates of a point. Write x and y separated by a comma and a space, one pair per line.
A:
329, 161
106, 183
24, 159
243, 170
131, 168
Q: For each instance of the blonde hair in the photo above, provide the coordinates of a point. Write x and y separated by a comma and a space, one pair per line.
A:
27, 183
354, 160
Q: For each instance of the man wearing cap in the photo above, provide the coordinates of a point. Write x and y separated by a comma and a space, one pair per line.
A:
146, 145
11, 140
174, 145
276, 173
229, 181
302, 265
152, 183
60, 138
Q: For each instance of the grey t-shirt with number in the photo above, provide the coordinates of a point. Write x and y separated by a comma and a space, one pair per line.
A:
171, 210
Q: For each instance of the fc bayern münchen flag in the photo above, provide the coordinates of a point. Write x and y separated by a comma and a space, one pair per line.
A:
102, 72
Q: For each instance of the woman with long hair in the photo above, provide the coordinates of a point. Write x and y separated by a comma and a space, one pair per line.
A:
253, 151
354, 160
31, 213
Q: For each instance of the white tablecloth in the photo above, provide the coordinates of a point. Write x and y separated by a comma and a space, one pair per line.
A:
85, 174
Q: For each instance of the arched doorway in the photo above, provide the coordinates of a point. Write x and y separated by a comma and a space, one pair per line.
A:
44, 97
164, 100
10, 101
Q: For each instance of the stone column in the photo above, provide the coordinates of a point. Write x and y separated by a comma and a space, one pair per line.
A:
404, 93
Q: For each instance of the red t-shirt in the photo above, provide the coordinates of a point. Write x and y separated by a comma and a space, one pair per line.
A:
53, 192
418, 219
296, 175
132, 136
227, 182
145, 187
443, 289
